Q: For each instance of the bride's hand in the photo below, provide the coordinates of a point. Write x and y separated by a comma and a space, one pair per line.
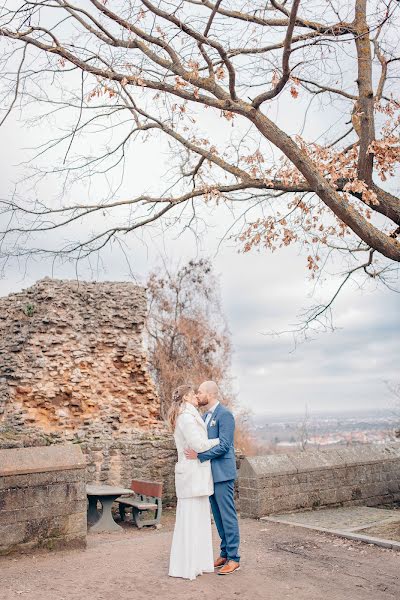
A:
190, 454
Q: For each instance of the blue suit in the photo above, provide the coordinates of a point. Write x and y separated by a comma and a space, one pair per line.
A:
223, 466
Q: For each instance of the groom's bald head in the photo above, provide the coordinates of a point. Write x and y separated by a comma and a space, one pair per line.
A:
210, 388
208, 393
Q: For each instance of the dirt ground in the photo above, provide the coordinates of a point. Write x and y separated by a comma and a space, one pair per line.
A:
278, 561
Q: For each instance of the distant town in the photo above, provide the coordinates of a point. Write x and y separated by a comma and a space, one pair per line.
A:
324, 429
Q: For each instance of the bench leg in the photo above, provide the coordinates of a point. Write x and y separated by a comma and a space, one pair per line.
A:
140, 522
136, 517
122, 511
158, 511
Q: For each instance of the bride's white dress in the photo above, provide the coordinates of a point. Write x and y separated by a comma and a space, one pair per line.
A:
191, 550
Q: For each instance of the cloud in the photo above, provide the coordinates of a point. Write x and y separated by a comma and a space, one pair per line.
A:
345, 369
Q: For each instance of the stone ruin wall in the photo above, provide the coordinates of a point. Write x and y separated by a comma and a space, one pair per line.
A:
72, 358
73, 368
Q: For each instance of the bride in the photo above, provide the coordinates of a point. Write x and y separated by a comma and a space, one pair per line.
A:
191, 550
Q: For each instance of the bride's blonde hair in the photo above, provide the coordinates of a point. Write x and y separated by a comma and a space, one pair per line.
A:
178, 398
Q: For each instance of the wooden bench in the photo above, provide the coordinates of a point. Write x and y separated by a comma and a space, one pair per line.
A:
147, 498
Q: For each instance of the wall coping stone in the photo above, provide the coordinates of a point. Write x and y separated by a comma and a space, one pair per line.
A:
41, 459
316, 460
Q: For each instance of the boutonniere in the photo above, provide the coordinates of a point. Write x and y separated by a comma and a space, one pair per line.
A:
213, 423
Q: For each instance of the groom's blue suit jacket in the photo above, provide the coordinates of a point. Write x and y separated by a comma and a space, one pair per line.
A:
223, 461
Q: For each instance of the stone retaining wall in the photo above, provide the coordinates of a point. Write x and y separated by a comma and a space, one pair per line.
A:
42, 498
359, 475
116, 460
142, 456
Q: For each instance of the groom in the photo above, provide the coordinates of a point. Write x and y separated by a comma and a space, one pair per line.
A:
221, 424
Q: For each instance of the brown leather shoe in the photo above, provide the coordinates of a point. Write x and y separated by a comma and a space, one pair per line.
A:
219, 562
230, 567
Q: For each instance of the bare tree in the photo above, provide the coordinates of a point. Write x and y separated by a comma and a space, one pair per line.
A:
188, 338
189, 341
303, 430
147, 68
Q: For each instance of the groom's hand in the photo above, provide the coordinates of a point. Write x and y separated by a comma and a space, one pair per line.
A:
191, 454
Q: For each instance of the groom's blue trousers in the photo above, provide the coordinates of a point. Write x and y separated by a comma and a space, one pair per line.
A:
225, 517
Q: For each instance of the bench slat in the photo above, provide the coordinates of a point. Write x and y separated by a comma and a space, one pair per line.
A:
137, 503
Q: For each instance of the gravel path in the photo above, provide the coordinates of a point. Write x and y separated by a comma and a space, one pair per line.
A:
278, 561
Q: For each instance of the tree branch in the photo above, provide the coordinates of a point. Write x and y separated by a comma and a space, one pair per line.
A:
258, 100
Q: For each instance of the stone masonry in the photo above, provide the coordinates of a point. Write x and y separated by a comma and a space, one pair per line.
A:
116, 459
72, 358
42, 498
361, 475
138, 456
73, 369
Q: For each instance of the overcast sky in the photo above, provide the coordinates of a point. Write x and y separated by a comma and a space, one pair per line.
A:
261, 293
343, 370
